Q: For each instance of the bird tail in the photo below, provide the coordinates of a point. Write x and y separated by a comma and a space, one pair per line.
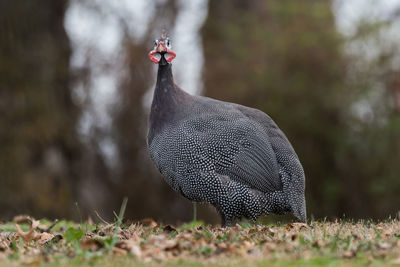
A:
290, 199
296, 199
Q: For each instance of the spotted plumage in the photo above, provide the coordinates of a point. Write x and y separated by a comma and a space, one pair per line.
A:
231, 156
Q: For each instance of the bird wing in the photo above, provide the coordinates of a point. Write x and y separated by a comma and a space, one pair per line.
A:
290, 168
286, 156
255, 162
233, 146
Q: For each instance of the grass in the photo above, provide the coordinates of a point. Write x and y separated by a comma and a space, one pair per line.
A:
146, 243
129, 261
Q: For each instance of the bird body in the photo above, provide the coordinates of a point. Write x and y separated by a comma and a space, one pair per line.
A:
231, 156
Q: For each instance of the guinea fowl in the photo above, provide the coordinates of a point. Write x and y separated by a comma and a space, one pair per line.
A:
231, 156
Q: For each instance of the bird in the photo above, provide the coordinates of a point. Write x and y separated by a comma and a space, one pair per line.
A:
228, 155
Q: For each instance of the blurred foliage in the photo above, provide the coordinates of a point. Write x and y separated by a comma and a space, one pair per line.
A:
287, 59
337, 104
39, 157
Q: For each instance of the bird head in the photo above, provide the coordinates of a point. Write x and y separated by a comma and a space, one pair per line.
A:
162, 52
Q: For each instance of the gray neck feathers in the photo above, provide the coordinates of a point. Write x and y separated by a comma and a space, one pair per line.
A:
169, 101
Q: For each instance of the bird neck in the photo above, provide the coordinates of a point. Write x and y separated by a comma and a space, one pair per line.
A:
165, 80
168, 100
166, 93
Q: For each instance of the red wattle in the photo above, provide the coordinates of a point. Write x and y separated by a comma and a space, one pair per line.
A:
151, 56
172, 57
155, 60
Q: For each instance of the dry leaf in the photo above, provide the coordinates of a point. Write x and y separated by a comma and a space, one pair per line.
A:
34, 261
91, 244
349, 254
125, 234
4, 244
148, 222
45, 237
384, 245
22, 219
318, 244
254, 251
293, 237
130, 246
270, 246
167, 244
30, 235
387, 233
168, 229
119, 251
296, 226
210, 244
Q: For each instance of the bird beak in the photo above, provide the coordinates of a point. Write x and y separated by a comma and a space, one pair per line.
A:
161, 49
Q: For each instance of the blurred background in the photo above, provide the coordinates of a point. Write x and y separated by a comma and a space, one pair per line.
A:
76, 86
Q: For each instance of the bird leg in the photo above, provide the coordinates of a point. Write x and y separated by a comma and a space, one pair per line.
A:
225, 222
194, 211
